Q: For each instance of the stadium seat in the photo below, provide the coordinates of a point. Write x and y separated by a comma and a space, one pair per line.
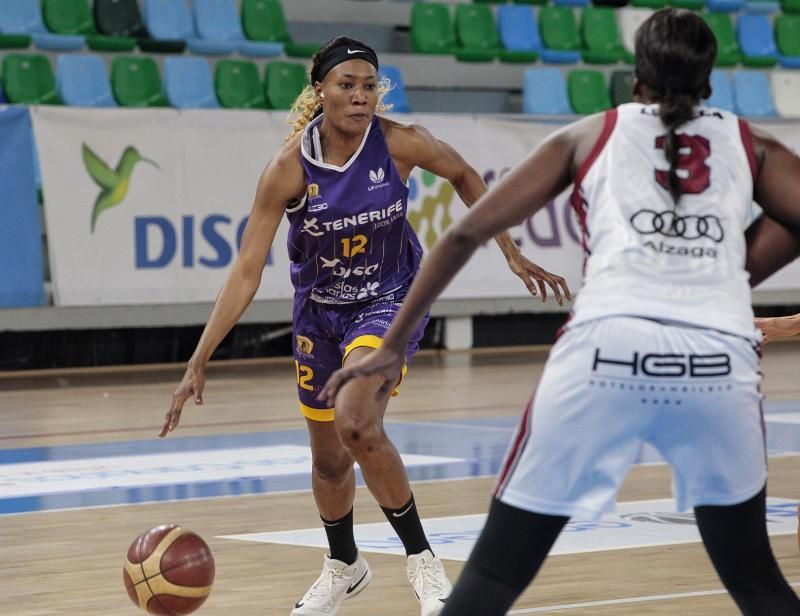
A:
530, 1
721, 91
756, 40
572, 3
119, 18
136, 83
629, 21
786, 90
787, 36
283, 82
28, 80
238, 86
728, 52
519, 33
751, 94
600, 34
621, 87
14, 41
218, 20
476, 33
431, 28
396, 96
81, 81
649, 4
612, 3
2, 94
559, 32
588, 92
172, 20
544, 92
188, 83
724, 6
761, 6
23, 17
790, 6
264, 20
692, 5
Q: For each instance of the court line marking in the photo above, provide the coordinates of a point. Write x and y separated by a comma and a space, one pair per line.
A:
641, 599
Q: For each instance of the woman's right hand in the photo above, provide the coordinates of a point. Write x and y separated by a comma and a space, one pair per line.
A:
194, 379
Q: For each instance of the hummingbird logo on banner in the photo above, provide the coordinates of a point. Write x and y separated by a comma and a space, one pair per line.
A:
113, 182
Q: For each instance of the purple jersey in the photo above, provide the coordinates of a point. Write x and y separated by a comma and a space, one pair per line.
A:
349, 239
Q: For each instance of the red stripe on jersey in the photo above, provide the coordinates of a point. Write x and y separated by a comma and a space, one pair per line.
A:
747, 141
608, 128
516, 449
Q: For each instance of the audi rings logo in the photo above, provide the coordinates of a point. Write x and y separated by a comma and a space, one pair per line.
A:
670, 224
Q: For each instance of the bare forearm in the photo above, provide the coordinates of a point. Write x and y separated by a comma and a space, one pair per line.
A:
233, 299
471, 188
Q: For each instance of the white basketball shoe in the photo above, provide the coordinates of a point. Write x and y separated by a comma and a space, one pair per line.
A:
430, 583
338, 581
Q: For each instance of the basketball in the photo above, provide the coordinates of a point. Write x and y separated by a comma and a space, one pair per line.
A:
169, 571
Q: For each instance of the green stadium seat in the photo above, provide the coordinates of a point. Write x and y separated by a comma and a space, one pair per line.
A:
264, 21
238, 86
790, 6
787, 34
283, 82
431, 28
14, 41
476, 33
600, 33
540, 2
68, 17
621, 87
559, 29
28, 80
728, 53
692, 5
135, 82
587, 91
649, 4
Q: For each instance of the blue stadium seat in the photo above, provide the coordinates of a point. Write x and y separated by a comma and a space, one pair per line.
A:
219, 21
81, 81
724, 6
721, 91
25, 17
518, 28
188, 83
545, 92
751, 94
396, 97
172, 19
756, 40
762, 6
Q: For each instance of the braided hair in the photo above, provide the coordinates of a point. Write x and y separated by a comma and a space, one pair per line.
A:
675, 52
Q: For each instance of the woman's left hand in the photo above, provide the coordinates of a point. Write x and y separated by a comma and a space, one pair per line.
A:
538, 279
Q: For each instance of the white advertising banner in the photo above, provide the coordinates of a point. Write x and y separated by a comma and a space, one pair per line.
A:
146, 206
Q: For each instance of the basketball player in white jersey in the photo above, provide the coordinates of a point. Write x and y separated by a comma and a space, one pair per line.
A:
661, 346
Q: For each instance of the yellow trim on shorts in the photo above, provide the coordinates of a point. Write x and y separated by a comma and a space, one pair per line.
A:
372, 341
316, 414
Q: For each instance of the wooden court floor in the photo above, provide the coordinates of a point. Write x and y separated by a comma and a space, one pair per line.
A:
69, 562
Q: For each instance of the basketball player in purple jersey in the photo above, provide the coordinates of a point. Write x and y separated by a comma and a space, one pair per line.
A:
341, 179
661, 347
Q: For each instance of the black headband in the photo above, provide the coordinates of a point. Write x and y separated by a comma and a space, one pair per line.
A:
335, 56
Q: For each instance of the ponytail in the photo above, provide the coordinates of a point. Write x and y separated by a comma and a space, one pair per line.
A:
675, 110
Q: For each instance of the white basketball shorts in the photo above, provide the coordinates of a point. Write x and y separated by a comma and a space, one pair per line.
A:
613, 384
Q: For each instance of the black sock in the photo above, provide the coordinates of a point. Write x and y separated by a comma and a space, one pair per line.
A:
405, 522
340, 538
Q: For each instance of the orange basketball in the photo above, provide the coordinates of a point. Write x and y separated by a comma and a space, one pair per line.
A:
168, 571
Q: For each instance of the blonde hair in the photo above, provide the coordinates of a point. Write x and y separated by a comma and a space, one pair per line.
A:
307, 106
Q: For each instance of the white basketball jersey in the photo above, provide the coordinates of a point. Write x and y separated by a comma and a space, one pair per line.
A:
647, 256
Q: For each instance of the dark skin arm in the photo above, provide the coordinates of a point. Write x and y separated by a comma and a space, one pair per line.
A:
548, 171
773, 240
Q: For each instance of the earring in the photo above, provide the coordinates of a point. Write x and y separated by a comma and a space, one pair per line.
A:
322, 94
